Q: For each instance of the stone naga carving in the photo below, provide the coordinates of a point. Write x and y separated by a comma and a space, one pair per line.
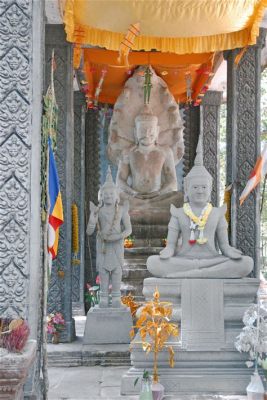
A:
200, 225
146, 141
114, 225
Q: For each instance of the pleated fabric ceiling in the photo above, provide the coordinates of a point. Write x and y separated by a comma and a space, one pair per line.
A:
176, 26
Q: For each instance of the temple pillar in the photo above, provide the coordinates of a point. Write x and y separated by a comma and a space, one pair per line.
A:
243, 146
78, 196
210, 125
21, 65
191, 132
60, 288
92, 183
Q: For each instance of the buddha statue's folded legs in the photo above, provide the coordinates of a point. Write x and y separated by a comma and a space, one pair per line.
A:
217, 267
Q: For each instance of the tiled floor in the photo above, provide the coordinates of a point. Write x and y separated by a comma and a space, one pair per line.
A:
99, 383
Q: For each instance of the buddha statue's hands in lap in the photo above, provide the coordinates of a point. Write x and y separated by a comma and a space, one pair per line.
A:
149, 166
200, 225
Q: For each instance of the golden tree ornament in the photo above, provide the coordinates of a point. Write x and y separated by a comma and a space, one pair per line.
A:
155, 329
129, 301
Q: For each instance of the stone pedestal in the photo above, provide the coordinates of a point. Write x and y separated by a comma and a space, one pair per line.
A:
205, 309
107, 325
14, 369
150, 217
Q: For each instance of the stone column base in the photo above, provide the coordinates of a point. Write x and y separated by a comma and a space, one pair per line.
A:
107, 325
14, 369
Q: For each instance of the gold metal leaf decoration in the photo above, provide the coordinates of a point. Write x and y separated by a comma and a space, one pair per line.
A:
155, 329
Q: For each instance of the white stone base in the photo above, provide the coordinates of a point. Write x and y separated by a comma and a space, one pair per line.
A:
107, 326
202, 369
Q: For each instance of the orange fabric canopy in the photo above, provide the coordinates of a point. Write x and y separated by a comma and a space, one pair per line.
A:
176, 26
171, 67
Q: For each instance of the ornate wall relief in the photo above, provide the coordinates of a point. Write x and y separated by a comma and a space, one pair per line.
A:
15, 154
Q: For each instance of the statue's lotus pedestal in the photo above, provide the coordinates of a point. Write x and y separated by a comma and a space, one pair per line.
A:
209, 313
14, 370
107, 326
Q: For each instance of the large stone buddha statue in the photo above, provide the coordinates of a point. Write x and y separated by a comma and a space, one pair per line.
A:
200, 226
147, 169
146, 141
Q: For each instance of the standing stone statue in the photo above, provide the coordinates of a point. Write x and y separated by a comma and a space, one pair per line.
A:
200, 225
113, 226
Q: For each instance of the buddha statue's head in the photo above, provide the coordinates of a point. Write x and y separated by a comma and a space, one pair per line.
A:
198, 182
109, 192
146, 127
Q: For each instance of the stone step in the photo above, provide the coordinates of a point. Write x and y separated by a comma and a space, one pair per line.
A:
157, 232
133, 274
147, 241
143, 251
76, 354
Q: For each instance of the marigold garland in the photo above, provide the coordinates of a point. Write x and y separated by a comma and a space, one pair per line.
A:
197, 223
75, 229
202, 219
227, 201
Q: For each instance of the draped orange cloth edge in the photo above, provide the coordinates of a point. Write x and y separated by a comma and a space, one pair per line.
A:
77, 33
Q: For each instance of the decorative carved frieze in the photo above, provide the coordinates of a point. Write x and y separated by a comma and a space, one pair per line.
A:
78, 194
210, 118
191, 133
15, 153
243, 146
92, 181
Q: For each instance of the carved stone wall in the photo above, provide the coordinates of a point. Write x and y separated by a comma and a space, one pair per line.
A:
78, 197
243, 146
20, 131
92, 181
191, 134
210, 123
15, 154
60, 292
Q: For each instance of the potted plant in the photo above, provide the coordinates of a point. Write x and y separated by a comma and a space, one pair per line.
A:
55, 325
146, 389
155, 329
252, 340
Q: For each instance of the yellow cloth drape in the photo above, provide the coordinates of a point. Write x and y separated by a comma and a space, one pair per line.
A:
177, 26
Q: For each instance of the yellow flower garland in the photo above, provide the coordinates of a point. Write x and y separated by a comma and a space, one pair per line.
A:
200, 222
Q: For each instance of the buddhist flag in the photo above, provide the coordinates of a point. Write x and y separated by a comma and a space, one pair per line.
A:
55, 218
257, 173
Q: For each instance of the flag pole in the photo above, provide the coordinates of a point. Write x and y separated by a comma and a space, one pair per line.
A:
46, 271
45, 284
